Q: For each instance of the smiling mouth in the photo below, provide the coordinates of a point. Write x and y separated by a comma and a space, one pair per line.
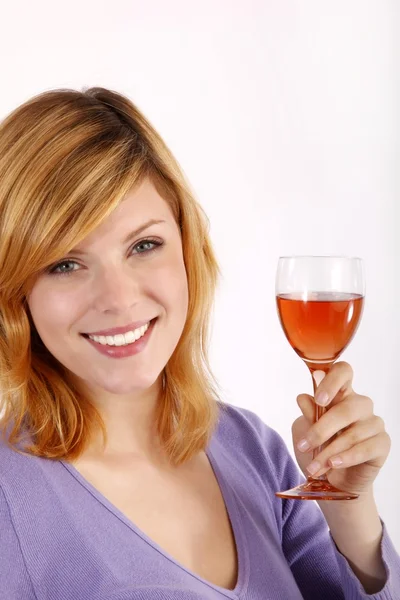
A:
86, 335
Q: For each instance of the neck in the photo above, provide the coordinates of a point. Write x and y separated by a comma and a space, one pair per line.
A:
130, 424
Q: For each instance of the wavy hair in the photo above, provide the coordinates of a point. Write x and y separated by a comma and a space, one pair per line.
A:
67, 159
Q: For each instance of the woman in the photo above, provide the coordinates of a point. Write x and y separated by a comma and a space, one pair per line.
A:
123, 476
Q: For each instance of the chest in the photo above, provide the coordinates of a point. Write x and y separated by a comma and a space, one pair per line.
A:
181, 509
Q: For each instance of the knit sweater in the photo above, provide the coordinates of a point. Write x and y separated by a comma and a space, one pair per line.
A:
61, 539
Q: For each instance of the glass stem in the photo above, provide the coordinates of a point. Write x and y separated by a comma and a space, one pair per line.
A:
317, 375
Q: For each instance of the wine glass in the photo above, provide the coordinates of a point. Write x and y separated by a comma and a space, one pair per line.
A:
320, 301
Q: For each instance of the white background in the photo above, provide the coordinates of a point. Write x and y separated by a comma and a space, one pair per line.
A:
284, 117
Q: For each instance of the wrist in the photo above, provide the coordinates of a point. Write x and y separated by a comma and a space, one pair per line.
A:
356, 529
365, 502
353, 521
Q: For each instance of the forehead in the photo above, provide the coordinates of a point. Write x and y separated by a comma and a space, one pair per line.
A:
141, 203
138, 206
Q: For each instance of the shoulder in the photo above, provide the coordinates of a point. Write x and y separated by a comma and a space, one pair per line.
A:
243, 434
18, 469
247, 427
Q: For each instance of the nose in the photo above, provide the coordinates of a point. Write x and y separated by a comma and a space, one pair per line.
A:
116, 290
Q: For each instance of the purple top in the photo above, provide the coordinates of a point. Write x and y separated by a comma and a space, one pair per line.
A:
61, 539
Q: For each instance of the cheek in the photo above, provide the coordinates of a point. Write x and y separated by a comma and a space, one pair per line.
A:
173, 287
52, 313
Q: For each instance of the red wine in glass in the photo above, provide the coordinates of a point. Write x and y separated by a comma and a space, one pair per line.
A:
320, 302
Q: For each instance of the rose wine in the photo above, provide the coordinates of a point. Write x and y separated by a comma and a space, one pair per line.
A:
319, 325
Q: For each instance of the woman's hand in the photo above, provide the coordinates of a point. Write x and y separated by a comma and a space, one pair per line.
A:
353, 458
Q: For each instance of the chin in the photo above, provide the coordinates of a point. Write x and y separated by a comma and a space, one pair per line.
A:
128, 386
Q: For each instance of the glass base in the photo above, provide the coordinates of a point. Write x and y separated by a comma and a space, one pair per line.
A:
316, 489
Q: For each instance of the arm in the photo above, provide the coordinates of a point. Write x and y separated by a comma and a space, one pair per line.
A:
349, 443
357, 531
15, 583
318, 565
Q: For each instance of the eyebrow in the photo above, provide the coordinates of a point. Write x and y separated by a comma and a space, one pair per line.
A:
131, 235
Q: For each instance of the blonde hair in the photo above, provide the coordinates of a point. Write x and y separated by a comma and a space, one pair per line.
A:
67, 159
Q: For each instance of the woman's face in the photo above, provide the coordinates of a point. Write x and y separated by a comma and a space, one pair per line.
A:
107, 282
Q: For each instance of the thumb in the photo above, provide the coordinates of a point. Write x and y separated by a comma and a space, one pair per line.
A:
300, 428
307, 406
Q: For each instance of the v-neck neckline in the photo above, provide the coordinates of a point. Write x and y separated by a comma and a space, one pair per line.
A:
228, 495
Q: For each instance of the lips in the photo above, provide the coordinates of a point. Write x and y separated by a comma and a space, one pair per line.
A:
123, 351
119, 330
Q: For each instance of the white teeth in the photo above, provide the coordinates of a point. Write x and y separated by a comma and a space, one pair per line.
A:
122, 338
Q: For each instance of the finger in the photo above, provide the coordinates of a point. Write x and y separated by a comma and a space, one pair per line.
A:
338, 417
373, 451
337, 382
306, 405
358, 432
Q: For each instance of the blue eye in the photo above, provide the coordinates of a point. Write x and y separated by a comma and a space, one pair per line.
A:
144, 242
55, 269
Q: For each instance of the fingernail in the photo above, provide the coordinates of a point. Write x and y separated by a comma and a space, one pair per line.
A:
303, 445
322, 398
336, 462
313, 467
